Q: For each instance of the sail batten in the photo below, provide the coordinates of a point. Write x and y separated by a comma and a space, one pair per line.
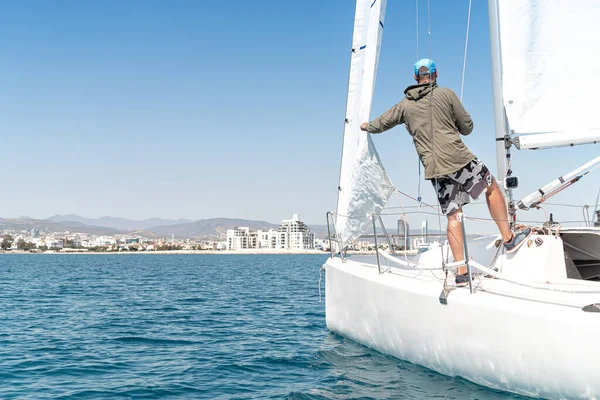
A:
364, 185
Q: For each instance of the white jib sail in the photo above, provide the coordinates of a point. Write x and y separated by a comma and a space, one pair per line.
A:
364, 185
551, 67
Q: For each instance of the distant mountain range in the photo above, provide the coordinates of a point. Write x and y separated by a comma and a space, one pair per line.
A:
121, 224
22, 224
205, 228
214, 228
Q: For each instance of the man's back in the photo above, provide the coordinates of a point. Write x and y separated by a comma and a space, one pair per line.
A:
434, 117
429, 110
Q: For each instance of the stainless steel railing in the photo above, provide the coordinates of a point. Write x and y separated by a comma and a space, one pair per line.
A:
330, 216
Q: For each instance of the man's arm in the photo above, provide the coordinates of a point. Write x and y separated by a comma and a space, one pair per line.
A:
464, 123
385, 121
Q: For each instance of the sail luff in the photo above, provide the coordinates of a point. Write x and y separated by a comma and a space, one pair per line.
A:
355, 61
364, 186
373, 43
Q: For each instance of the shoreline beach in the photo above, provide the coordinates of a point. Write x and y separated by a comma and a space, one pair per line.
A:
210, 252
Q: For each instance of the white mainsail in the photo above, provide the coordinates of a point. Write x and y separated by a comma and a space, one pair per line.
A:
364, 185
551, 69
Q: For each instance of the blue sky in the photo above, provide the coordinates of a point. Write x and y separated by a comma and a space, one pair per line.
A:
202, 109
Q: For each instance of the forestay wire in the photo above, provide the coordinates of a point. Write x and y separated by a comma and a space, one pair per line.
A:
417, 5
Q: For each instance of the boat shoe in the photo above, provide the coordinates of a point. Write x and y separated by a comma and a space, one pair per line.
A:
519, 237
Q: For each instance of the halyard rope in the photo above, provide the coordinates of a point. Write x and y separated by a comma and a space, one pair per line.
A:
462, 85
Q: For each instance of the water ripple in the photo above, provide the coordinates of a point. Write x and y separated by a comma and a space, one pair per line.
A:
177, 326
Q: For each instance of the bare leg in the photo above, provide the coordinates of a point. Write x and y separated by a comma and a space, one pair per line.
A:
455, 239
497, 205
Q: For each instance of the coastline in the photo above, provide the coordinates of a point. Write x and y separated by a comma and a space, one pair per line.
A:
210, 252
196, 252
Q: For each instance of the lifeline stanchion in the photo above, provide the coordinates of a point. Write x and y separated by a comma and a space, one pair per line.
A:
461, 219
376, 246
329, 213
387, 236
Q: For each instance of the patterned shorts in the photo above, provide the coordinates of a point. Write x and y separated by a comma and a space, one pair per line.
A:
454, 189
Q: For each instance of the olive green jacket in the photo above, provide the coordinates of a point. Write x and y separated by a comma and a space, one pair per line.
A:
434, 117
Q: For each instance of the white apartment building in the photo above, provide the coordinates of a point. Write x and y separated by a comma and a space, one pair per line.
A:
267, 239
238, 238
101, 241
292, 234
57, 243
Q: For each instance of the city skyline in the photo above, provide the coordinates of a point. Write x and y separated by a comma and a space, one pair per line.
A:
156, 228
187, 110
291, 235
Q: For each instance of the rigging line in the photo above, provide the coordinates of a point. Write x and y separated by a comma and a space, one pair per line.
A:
462, 85
479, 203
417, 4
477, 219
429, 26
437, 186
586, 218
566, 205
428, 205
419, 198
419, 161
545, 214
412, 198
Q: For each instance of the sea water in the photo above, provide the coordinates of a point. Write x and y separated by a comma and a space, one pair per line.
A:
188, 327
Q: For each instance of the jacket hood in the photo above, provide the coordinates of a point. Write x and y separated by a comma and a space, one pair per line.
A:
416, 92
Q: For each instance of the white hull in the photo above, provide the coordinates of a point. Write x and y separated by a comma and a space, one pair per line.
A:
526, 332
513, 338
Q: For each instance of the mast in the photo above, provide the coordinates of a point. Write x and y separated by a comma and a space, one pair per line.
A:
499, 116
503, 142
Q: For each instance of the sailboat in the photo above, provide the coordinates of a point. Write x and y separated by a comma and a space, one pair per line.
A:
529, 321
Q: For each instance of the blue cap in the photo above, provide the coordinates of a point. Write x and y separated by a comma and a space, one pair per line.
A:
425, 62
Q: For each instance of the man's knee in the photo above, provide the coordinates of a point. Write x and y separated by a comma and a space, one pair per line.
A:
492, 187
453, 218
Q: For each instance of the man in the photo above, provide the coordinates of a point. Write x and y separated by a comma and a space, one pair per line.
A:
434, 117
